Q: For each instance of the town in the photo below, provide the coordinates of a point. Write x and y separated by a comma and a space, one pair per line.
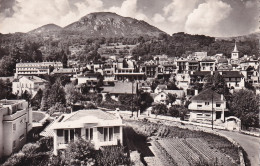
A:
62, 103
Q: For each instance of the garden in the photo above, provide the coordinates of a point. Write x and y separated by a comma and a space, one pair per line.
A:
172, 145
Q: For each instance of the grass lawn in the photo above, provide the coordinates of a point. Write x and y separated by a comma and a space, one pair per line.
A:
37, 116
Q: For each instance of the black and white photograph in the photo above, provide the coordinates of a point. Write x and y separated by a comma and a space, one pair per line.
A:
129, 82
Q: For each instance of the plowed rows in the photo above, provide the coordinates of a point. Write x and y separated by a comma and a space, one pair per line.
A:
193, 150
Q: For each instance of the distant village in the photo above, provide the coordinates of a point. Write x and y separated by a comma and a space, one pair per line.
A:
162, 78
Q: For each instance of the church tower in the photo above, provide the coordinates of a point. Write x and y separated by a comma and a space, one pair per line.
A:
235, 53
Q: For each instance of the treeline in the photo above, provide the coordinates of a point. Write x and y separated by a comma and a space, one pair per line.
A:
181, 44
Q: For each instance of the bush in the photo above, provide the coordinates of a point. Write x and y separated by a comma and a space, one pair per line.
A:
112, 155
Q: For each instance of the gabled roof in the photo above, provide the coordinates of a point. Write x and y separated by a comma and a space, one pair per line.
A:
121, 88
35, 79
232, 74
200, 73
206, 95
207, 59
179, 93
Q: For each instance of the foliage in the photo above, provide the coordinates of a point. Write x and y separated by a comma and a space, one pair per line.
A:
58, 107
80, 152
245, 105
56, 94
36, 100
217, 83
72, 95
6, 89
112, 155
159, 109
171, 98
7, 66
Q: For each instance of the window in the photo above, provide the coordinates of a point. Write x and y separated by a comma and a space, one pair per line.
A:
14, 144
206, 103
89, 134
199, 105
68, 135
108, 134
218, 104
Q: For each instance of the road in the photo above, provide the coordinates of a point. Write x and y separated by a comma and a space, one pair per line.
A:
249, 143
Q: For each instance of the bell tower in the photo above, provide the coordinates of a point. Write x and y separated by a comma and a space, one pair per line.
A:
235, 53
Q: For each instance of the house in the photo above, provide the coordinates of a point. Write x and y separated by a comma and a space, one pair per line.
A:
31, 84
15, 123
162, 96
120, 88
233, 79
207, 64
89, 80
201, 106
99, 127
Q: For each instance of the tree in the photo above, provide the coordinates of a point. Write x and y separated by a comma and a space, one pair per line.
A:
217, 83
58, 107
159, 109
80, 152
7, 66
245, 105
36, 100
171, 98
56, 94
72, 95
64, 59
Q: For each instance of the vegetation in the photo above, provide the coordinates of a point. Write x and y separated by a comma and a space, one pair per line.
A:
245, 105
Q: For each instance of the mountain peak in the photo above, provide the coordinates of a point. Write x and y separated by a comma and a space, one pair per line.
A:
107, 24
46, 29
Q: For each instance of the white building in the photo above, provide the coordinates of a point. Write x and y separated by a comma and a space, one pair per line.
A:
207, 64
99, 127
31, 84
234, 79
36, 68
201, 106
235, 53
15, 123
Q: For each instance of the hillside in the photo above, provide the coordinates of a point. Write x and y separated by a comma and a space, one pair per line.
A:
106, 24
252, 36
49, 28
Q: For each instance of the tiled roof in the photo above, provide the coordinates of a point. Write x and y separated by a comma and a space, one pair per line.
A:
227, 74
207, 59
206, 95
179, 93
201, 73
35, 79
121, 88
93, 113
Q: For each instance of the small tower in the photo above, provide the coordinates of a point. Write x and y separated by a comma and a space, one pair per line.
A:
235, 53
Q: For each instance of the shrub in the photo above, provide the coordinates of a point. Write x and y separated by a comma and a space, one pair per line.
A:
112, 155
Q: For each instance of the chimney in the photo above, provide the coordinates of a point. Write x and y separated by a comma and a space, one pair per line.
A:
222, 97
196, 92
211, 72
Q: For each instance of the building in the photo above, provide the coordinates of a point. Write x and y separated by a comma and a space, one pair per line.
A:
15, 123
201, 106
234, 79
36, 68
31, 84
89, 80
120, 88
99, 127
207, 64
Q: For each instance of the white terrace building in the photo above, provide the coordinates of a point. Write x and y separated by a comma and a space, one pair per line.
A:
36, 68
201, 106
99, 127
15, 123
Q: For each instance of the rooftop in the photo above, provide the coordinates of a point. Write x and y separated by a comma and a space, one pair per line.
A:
92, 112
206, 95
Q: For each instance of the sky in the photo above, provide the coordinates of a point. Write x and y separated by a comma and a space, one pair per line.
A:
219, 18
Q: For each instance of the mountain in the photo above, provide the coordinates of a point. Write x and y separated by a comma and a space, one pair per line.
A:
106, 24
49, 28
